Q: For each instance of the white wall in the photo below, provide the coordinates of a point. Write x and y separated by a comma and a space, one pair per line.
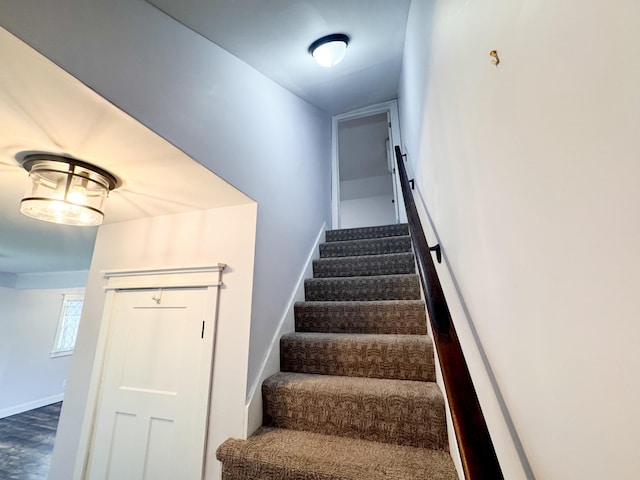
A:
530, 173
367, 201
8, 280
362, 146
366, 187
365, 212
225, 235
262, 139
366, 184
70, 279
29, 378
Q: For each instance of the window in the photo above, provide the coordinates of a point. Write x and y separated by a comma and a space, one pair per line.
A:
67, 325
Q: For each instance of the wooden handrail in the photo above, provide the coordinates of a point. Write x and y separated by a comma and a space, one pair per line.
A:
479, 460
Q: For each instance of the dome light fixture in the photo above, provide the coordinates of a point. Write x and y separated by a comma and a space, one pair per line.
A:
329, 50
65, 190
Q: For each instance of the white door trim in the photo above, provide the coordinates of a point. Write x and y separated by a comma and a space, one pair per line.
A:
170, 277
391, 108
207, 276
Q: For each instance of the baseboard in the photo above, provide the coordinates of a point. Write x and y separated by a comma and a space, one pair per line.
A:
24, 407
271, 363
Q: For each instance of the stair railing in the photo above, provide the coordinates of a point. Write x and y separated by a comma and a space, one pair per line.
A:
479, 460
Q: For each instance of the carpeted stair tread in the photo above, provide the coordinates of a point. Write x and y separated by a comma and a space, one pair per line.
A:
361, 233
403, 317
379, 287
371, 246
278, 454
400, 357
364, 265
392, 411
356, 397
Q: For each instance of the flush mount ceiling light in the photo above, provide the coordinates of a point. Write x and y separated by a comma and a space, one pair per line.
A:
65, 190
330, 50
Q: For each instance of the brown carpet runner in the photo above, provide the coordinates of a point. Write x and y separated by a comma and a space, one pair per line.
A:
356, 398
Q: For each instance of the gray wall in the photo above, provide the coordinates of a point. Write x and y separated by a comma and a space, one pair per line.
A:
29, 377
260, 138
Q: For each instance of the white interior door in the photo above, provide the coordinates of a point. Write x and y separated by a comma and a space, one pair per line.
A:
152, 413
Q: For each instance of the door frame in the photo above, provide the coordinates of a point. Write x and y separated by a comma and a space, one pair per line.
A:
207, 276
391, 108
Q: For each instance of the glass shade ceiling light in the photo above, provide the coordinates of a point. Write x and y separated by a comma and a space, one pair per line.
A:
330, 50
65, 190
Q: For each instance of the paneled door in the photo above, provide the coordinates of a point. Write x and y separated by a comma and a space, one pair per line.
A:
151, 417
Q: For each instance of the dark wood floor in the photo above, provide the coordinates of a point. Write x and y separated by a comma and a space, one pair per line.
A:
26, 441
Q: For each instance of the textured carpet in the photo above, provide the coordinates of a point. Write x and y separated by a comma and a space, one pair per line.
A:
278, 454
360, 233
355, 398
391, 411
378, 287
406, 317
398, 357
362, 265
367, 246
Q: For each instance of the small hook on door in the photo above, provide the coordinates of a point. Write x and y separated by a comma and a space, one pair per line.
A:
157, 296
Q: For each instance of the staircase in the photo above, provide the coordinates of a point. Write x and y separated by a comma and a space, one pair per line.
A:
356, 397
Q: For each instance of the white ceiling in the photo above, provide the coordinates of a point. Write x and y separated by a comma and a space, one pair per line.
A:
274, 36
42, 108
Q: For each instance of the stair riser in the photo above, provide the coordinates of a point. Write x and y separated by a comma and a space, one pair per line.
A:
367, 232
365, 247
411, 361
410, 420
379, 318
388, 287
364, 266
